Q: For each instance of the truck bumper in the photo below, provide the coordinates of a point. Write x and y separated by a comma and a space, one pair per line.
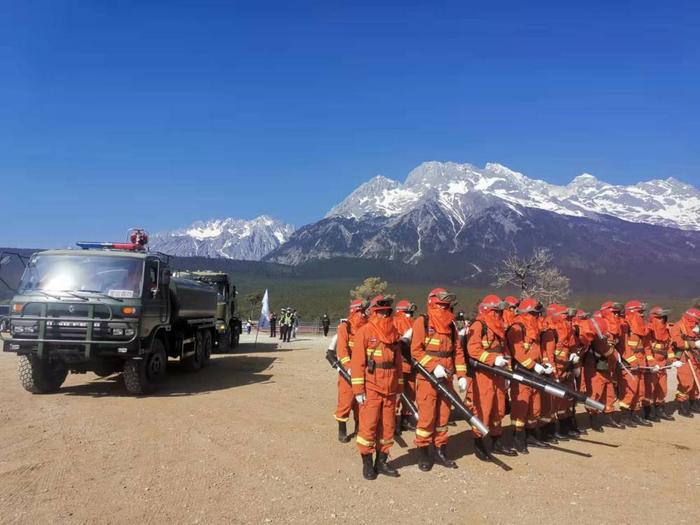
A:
72, 352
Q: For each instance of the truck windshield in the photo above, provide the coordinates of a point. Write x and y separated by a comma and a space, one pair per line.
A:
119, 277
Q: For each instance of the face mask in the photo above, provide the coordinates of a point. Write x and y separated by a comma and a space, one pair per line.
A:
696, 329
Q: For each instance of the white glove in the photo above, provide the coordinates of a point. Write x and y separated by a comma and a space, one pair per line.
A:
548, 369
440, 372
577, 372
360, 398
349, 372
677, 364
574, 358
462, 383
500, 361
656, 368
697, 343
539, 368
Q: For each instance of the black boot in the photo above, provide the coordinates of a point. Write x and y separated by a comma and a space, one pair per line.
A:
547, 433
663, 412
343, 432
628, 418
695, 406
639, 420
407, 423
480, 450
368, 471
609, 421
441, 456
597, 422
560, 430
425, 463
651, 414
573, 428
533, 438
381, 467
520, 442
684, 409
499, 447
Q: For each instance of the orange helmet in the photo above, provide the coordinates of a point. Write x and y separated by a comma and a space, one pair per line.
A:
529, 305
358, 305
491, 302
657, 311
554, 309
441, 296
692, 315
580, 314
381, 302
405, 306
612, 306
635, 306
511, 301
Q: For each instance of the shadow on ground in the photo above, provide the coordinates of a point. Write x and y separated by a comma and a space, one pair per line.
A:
222, 373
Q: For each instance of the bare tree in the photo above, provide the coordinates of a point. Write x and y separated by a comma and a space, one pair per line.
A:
369, 288
533, 276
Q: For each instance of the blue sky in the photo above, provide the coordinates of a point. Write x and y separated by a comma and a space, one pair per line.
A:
115, 114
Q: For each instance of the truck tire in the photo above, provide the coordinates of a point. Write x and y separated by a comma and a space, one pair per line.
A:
235, 335
194, 362
40, 376
207, 344
142, 376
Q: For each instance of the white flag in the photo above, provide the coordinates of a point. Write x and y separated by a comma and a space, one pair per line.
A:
264, 321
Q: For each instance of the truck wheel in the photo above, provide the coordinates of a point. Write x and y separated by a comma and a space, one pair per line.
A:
40, 376
142, 376
194, 362
235, 336
207, 344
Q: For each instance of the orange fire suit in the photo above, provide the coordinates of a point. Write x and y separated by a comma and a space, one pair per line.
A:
558, 343
403, 323
684, 347
508, 317
346, 399
525, 402
430, 349
663, 355
634, 354
381, 388
486, 393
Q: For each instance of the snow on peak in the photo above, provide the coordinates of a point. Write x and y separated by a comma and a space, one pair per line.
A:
666, 202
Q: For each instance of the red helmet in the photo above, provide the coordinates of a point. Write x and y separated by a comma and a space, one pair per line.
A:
580, 314
635, 306
554, 309
511, 301
403, 305
491, 302
657, 311
358, 305
692, 315
612, 306
441, 296
381, 302
529, 305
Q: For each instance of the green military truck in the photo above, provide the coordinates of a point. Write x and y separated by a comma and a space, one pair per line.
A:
228, 323
108, 308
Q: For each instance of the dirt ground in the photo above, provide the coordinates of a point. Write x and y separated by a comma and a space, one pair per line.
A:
251, 439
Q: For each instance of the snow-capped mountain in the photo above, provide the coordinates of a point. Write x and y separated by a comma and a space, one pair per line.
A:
668, 202
228, 238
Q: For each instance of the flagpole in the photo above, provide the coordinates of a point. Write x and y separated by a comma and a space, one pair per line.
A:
264, 315
257, 331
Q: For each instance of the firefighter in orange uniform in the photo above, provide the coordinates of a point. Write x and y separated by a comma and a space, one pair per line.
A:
377, 382
435, 345
662, 351
509, 311
403, 321
523, 340
486, 393
344, 346
635, 348
559, 347
685, 336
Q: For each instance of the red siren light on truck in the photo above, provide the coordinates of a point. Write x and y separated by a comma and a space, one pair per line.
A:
138, 239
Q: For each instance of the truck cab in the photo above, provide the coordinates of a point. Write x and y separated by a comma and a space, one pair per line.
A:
106, 308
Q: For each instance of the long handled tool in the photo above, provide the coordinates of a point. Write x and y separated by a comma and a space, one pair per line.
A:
570, 392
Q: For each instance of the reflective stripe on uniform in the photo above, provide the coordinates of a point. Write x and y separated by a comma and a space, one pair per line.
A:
344, 360
483, 357
362, 441
358, 380
401, 381
430, 341
485, 343
423, 433
631, 359
425, 360
441, 430
386, 441
341, 419
374, 352
351, 343
650, 358
518, 423
633, 344
527, 362
461, 368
